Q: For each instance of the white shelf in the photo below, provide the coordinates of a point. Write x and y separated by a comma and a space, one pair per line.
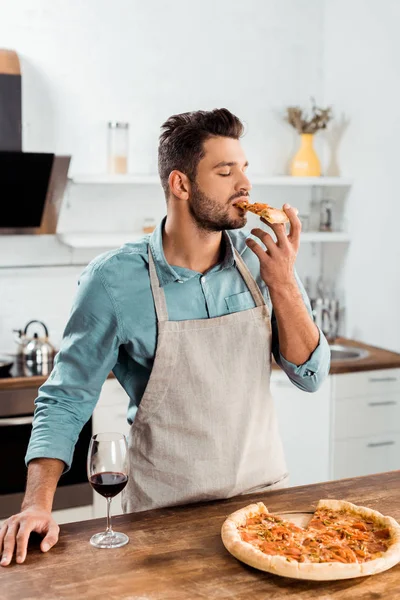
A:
301, 181
98, 240
130, 179
104, 178
324, 236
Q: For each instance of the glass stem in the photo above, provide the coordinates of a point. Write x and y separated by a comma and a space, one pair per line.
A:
109, 528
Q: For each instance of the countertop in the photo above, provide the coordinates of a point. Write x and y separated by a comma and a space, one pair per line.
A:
377, 359
177, 554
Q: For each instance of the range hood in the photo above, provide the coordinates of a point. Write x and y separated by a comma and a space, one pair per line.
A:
32, 186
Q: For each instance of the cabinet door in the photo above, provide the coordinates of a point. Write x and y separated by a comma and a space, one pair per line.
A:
304, 423
71, 515
366, 383
367, 415
112, 393
110, 413
110, 418
365, 456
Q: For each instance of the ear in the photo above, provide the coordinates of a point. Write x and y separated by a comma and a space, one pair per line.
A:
179, 185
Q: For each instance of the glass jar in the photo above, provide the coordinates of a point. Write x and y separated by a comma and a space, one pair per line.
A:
118, 140
149, 225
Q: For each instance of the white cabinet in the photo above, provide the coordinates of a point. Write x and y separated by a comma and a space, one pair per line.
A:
110, 414
364, 456
70, 515
366, 422
304, 423
367, 383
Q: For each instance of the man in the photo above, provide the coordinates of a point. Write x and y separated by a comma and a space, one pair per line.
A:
186, 319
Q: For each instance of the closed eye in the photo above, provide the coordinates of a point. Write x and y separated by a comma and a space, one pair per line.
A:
224, 174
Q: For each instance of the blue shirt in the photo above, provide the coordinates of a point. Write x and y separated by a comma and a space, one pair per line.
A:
113, 327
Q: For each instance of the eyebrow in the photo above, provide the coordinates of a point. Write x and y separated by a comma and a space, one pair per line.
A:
229, 164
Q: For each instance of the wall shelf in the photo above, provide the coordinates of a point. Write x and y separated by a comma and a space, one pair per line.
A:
104, 178
98, 240
324, 236
130, 179
301, 181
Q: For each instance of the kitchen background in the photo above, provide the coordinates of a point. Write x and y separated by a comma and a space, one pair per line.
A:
86, 63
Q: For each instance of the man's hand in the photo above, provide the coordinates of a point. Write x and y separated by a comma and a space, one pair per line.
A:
15, 532
298, 334
277, 263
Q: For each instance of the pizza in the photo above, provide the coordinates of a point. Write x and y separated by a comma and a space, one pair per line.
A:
269, 213
341, 541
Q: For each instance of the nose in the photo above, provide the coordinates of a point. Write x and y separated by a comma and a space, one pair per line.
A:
243, 183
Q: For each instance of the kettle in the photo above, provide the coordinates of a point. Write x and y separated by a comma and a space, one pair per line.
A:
36, 350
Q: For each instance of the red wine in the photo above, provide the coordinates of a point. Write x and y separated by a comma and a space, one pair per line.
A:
109, 483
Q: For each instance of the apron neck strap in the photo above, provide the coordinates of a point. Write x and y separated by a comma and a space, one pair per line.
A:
249, 280
159, 295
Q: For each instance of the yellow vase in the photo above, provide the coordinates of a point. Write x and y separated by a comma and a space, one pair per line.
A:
306, 162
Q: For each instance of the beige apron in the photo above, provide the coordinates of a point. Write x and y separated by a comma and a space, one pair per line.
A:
206, 426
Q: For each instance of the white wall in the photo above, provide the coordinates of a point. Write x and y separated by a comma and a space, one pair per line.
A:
362, 79
45, 294
88, 62
85, 63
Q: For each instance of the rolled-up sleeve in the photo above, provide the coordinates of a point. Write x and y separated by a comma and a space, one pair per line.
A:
310, 375
88, 352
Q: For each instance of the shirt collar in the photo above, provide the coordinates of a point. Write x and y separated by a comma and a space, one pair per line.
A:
167, 274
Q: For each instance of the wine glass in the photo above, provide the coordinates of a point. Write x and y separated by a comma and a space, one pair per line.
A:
107, 468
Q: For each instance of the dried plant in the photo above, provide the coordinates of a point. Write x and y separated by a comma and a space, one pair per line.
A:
304, 123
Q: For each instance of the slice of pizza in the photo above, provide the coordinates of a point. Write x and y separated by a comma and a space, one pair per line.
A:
269, 213
341, 541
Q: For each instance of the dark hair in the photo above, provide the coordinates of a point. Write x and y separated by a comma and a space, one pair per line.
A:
182, 137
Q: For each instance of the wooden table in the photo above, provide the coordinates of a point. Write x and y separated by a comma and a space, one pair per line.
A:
177, 554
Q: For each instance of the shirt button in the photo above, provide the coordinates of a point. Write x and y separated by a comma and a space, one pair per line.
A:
203, 279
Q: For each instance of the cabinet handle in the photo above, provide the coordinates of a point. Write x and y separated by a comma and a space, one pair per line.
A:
385, 403
380, 379
377, 444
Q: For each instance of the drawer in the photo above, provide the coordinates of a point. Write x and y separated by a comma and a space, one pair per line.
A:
369, 415
367, 383
365, 456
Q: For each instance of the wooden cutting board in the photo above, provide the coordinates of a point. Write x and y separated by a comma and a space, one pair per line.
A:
10, 101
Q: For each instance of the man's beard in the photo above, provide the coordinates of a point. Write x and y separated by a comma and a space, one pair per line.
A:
211, 216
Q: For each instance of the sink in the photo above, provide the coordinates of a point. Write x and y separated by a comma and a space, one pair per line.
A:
339, 352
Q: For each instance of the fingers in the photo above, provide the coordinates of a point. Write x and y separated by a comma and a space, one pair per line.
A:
256, 248
280, 231
3, 531
295, 225
8, 544
15, 532
265, 238
51, 538
22, 542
